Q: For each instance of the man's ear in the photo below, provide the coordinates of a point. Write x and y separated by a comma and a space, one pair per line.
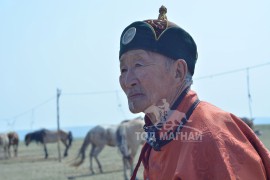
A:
180, 70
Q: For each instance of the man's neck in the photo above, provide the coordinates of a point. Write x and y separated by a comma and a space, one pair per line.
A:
158, 113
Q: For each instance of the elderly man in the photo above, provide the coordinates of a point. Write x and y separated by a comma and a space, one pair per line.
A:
193, 139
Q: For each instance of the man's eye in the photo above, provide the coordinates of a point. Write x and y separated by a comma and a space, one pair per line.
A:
123, 70
138, 65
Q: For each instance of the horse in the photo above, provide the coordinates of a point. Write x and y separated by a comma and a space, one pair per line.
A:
130, 135
4, 144
250, 123
98, 137
45, 136
13, 138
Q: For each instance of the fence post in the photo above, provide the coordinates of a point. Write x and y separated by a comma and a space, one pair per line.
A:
58, 91
249, 96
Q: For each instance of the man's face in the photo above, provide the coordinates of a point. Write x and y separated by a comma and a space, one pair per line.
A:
145, 79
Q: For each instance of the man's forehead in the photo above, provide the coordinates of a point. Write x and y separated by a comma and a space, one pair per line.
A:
134, 54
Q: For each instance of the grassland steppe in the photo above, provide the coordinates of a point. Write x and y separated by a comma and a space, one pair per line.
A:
31, 165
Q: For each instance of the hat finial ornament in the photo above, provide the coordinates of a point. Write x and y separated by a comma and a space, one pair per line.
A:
162, 13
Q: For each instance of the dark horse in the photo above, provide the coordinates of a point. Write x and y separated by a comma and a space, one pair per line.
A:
13, 138
45, 136
250, 123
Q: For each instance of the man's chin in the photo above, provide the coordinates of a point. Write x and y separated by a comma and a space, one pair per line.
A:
136, 106
134, 110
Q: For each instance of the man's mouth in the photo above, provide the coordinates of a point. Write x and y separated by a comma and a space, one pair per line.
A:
134, 95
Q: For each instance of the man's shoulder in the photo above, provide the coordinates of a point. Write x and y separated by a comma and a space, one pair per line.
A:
212, 120
208, 116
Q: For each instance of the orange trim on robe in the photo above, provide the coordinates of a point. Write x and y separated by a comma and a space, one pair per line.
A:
213, 145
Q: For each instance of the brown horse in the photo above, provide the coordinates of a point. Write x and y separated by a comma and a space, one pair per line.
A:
45, 136
98, 137
4, 144
13, 138
130, 135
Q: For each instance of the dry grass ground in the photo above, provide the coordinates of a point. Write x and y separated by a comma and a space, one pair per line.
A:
31, 165
265, 137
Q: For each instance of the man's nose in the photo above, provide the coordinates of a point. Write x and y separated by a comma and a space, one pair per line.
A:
130, 79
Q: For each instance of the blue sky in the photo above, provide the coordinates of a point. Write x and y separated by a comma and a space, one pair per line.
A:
73, 46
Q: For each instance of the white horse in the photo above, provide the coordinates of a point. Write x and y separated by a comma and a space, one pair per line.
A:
98, 137
4, 144
130, 135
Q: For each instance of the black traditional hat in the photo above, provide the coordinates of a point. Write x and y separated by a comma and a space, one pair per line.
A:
161, 36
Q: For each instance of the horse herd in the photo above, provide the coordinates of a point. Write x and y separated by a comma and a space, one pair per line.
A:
124, 136
127, 136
